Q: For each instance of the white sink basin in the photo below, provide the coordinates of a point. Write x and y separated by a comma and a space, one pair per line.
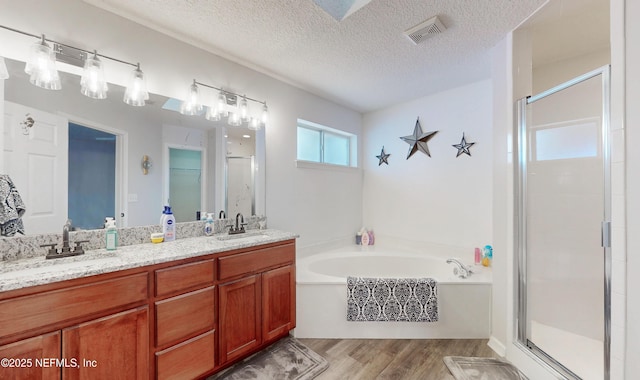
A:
244, 235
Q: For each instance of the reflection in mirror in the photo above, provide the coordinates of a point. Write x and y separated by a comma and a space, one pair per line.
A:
47, 164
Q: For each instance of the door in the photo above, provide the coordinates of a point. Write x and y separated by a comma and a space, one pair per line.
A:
239, 325
36, 160
278, 300
92, 176
240, 191
113, 347
26, 358
186, 183
563, 213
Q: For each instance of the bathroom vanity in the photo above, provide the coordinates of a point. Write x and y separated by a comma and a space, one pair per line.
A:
148, 313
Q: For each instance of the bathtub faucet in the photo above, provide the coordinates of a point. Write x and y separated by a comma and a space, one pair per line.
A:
460, 269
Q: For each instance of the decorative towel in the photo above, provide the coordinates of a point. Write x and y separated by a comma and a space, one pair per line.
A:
392, 299
11, 209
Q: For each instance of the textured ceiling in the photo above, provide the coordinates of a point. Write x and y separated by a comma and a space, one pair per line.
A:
364, 61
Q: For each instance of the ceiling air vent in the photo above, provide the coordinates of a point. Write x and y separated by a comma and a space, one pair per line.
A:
425, 29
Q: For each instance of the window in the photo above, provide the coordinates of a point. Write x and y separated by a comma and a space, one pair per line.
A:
317, 143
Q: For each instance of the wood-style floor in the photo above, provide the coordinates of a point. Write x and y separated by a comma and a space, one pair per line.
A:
393, 359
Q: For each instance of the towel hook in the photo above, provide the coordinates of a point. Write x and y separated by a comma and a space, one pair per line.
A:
27, 124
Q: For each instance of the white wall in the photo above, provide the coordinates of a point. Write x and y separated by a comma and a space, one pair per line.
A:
632, 129
439, 199
170, 66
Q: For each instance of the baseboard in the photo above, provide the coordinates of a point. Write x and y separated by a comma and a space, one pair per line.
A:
497, 346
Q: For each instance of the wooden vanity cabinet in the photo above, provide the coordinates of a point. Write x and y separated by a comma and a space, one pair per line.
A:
185, 320
75, 326
257, 304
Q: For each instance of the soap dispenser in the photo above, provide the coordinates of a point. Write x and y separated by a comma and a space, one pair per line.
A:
111, 235
208, 225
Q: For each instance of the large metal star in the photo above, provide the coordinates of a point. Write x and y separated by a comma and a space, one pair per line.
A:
383, 157
418, 140
463, 147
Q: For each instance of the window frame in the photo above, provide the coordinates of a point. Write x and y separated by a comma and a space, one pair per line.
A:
350, 139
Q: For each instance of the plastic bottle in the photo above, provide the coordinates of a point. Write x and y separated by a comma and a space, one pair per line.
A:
111, 237
208, 225
168, 224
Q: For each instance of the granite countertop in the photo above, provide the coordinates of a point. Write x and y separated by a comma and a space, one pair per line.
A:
38, 271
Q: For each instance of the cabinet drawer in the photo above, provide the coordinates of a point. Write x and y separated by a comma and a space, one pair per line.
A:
255, 261
184, 277
184, 316
30, 312
187, 360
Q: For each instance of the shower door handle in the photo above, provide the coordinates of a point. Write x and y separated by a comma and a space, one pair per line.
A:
606, 234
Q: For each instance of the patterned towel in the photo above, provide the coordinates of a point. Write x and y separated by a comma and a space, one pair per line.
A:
392, 299
11, 208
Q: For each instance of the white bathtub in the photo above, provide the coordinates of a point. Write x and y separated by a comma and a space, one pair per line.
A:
464, 305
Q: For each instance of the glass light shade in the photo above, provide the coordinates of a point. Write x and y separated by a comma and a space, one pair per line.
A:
254, 124
212, 114
136, 93
93, 83
41, 66
234, 119
222, 105
191, 105
244, 110
4, 73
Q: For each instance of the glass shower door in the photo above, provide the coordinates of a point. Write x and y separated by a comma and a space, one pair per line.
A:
563, 170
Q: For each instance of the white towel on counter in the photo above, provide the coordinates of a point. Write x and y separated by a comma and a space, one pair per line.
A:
392, 299
11, 209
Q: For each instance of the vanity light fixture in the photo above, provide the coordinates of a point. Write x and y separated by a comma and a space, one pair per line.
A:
4, 73
227, 105
41, 67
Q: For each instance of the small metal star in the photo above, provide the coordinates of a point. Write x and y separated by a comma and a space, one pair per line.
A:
463, 147
418, 140
383, 157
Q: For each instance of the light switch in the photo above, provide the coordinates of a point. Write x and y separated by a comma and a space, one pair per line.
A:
133, 197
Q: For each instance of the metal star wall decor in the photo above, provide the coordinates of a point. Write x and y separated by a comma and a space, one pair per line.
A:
418, 140
463, 147
383, 157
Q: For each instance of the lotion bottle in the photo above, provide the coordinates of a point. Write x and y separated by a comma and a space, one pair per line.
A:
168, 224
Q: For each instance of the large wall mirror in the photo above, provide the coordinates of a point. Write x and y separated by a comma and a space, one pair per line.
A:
74, 157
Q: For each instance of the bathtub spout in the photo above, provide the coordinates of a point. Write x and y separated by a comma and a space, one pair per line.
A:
460, 269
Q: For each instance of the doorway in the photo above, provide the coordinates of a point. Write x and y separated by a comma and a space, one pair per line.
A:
186, 191
563, 229
92, 176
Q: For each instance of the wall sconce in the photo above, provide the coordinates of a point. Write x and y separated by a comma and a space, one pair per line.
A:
146, 164
27, 124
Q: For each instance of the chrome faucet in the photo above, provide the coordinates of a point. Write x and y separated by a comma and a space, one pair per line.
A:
65, 236
240, 225
460, 269
66, 250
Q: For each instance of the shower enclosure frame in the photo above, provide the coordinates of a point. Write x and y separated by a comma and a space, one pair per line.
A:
520, 208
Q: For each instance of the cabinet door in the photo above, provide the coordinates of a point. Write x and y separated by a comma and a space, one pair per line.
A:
113, 347
26, 358
239, 324
278, 302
